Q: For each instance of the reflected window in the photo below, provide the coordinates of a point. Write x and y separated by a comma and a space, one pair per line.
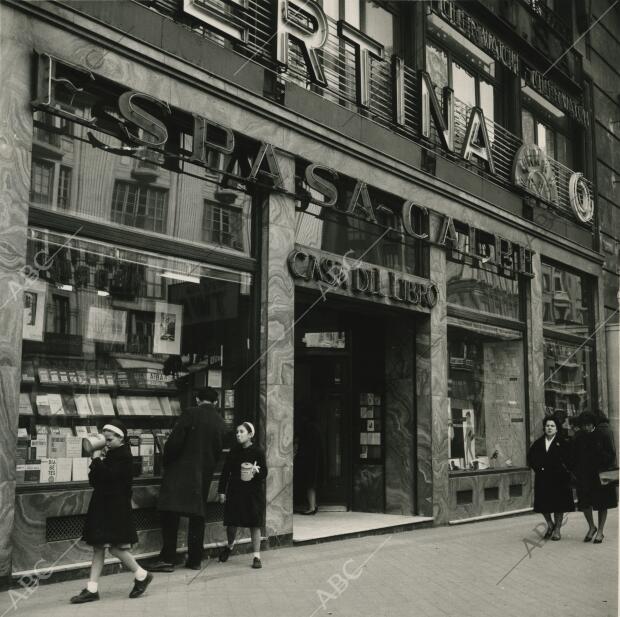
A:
42, 182
222, 225
145, 207
550, 138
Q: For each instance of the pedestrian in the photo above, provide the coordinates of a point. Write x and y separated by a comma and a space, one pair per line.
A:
604, 497
190, 456
242, 490
550, 458
307, 461
109, 522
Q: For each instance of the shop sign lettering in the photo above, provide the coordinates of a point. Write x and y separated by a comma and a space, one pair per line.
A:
334, 274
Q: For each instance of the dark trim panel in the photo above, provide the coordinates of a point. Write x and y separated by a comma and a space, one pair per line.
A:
108, 232
490, 320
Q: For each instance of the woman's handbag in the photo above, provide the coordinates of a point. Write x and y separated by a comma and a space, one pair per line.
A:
608, 477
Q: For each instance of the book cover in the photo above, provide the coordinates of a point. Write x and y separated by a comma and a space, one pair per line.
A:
147, 444
54, 376
94, 402
82, 377
79, 472
22, 434
28, 372
63, 376
122, 379
44, 375
134, 444
93, 430
43, 405
81, 405
69, 405
55, 403
164, 403
49, 470
64, 467
154, 406
81, 431
73, 446
176, 407
106, 404
38, 446
57, 446
32, 471
122, 406
73, 377
42, 429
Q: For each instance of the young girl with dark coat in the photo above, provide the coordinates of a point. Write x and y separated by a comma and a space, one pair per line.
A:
242, 489
109, 522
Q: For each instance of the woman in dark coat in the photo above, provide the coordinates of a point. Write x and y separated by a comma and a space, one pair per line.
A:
308, 461
242, 489
109, 522
549, 457
595, 452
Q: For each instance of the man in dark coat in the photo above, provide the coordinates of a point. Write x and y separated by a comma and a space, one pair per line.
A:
190, 456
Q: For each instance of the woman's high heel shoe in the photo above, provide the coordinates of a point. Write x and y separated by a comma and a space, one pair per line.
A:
598, 540
310, 512
590, 534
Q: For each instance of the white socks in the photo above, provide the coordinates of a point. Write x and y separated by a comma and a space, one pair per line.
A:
257, 555
92, 587
140, 574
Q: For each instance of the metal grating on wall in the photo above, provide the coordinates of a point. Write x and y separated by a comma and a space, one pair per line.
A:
70, 527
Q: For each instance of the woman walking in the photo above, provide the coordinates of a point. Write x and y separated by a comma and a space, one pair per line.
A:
595, 452
109, 522
242, 490
549, 457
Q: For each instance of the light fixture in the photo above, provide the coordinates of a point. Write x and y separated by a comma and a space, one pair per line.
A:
103, 293
64, 287
185, 278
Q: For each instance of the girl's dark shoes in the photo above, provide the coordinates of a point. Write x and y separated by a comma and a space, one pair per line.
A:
257, 564
549, 532
590, 534
598, 539
139, 587
224, 554
85, 596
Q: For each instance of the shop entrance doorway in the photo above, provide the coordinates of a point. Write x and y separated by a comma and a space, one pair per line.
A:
322, 431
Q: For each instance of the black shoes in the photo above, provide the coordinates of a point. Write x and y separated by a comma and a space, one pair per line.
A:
139, 587
549, 532
590, 534
85, 596
257, 564
160, 566
310, 512
598, 539
193, 566
224, 554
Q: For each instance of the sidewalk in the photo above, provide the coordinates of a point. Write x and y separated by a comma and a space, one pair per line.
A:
469, 570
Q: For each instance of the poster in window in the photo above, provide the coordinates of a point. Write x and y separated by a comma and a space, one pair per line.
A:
106, 325
34, 310
168, 324
469, 437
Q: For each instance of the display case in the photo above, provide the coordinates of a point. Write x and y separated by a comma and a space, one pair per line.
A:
371, 423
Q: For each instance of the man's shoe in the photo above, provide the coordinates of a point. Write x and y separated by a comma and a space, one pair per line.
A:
257, 564
224, 554
85, 596
160, 566
193, 566
139, 587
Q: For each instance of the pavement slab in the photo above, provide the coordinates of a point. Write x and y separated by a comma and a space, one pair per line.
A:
499, 567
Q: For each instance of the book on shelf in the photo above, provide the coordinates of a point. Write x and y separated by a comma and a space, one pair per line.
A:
93, 430
175, 406
22, 434
94, 403
68, 403
122, 406
57, 446
134, 444
73, 446
73, 377
154, 406
81, 431
64, 467
29, 471
122, 379
92, 378
43, 405
54, 376
82, 377
81, 405
79, 472
63, 376
101, 379
107, 407
44, 375
164, 403
28, 372
110, 379
147, 453
25, 406
42, 429
38, 447
55, 403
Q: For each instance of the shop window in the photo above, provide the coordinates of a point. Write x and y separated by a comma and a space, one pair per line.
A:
222, 225
113, 332
140, 206
487, 401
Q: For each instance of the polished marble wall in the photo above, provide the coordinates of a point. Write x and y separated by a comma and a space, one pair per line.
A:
399, 416
277, 352
15, 140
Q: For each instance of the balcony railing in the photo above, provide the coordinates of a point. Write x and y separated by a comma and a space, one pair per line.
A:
338, 61
550, 17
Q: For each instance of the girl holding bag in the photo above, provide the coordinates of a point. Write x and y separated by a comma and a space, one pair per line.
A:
242, 490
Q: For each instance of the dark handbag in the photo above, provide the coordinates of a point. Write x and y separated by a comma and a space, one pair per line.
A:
609, 477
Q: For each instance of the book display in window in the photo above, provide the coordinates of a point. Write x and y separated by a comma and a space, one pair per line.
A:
371, 427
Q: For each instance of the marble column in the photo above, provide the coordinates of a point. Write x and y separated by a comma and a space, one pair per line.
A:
432, 392
277, 351
536, 349
399, 417
15, 147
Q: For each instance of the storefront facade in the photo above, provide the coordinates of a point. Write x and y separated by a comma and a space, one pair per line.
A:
168, 225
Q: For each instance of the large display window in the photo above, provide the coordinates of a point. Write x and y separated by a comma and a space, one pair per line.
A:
113, 332
486, 388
